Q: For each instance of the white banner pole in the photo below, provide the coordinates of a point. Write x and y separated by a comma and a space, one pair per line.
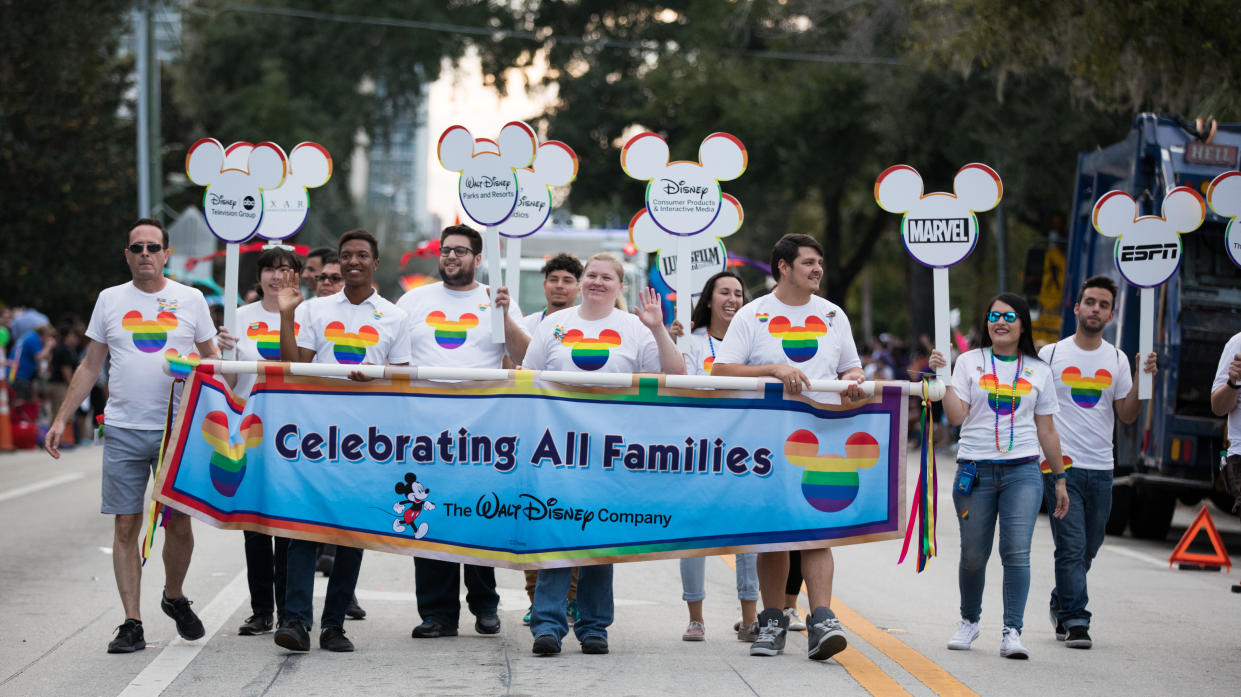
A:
491, 249
1146, 339
943, 332
512, 275
685, 294
232, 267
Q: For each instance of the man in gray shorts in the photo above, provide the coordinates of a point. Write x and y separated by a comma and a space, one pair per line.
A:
135, 323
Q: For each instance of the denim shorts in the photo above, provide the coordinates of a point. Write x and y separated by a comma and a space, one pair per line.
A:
129, 460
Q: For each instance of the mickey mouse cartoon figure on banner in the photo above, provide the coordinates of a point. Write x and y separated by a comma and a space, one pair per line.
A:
685, 208
488, 188
1224, 197
555, 164
939, 229
1148, 251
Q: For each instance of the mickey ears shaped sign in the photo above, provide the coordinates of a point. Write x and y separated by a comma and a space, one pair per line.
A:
555, 164
685, 198
1224, 196
256, 188
488, 187
939, 229
1148, 247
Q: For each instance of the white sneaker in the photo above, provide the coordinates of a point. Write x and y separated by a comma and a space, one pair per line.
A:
1010, 644
796, 624
967, 632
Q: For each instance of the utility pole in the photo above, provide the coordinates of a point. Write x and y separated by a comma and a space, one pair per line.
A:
1001, 247
149, 165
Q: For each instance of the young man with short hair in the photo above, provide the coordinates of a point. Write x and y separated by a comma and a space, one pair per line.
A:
562, 280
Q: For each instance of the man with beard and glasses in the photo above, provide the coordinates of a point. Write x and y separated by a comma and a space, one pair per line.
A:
1093, 387
450, 326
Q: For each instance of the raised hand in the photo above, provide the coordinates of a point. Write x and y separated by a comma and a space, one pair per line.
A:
290, 295
650, 309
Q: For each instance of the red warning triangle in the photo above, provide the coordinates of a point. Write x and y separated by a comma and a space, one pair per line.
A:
1220, 558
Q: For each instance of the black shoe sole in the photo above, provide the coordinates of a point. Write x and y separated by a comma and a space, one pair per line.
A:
246, 631
291, 642
594, 649
478, 627
437, 634
545, 649
827, 648
126, 649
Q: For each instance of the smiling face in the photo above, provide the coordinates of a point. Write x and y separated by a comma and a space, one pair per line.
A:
357, 263
146, 266
561, 289
805, 273
457, 269
726, 299
270, 277
601, 284
1094, 310
1004, 334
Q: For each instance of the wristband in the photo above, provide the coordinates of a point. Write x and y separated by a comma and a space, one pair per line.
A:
1234, 385
1058, 477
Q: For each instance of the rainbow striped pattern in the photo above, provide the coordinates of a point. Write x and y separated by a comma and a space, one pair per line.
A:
830, 482
1086, 391
228, 462
1045, 467
450, 334
149, 335
350, 348
590, 354
268, 339
762, 317
799, 343
999, 396
179, 367
707, 363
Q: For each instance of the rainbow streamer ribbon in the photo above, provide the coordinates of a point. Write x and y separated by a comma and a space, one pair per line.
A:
157, 516
924, 509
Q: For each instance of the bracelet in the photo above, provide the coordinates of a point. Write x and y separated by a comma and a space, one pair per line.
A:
1234, 385
1058, 477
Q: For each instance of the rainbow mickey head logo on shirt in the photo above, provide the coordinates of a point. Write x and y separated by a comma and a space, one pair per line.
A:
1002, 399
267, 339
349, 348
799, 343
590, 354
707, 363
1086, 391
149, 335
179, 367
228, 462
450, 334
830, 482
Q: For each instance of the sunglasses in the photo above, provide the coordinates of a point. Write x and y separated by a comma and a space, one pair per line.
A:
459, 251
151, 247
994, 316
324, 278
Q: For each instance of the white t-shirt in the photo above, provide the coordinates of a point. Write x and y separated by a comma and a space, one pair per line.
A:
618, 343
1231, 349
138, 328
699, 350
258, 339
815, 338
974, 382
452, 328
1088, 383
530, 321
374, 331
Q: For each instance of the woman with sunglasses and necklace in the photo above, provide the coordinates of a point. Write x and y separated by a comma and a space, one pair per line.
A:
1003, 397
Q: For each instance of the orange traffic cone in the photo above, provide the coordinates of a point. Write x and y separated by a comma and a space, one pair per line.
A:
6, 428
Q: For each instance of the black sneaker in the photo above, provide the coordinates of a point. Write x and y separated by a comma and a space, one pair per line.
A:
773, 629
334, 639
129, 638
293, 636
824, 635
255, 625
1061, 632
1078, 638
487, 624
430, 629
188, 624
595, 645
546, 645
355, 611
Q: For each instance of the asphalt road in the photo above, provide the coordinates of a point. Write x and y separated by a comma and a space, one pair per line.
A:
1157, 631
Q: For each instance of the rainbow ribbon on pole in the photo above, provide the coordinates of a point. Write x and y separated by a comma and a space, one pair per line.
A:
924, 508
157, 516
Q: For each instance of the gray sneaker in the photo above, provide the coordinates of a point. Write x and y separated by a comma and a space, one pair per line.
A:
747, 633
825, 636
773, 629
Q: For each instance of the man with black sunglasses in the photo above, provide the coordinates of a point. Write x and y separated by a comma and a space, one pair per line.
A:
134, 324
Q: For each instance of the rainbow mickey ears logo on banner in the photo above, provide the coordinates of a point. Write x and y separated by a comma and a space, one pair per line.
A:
830, 482
1148, 247
939, 229
235, 179
488, 184
179, 367
555, 164
1224, 196
228, 462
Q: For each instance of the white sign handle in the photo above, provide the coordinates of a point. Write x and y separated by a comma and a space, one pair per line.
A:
682, 276
943, 332
1146, 340
232, 264
512, 272
491, 249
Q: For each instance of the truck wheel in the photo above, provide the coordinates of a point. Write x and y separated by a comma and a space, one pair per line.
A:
1122, 507
1152, 513
1224, 502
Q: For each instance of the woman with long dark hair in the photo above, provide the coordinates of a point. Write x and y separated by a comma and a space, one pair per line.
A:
1003, 397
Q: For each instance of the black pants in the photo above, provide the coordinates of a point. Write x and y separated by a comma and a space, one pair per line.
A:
266, 559
438, 587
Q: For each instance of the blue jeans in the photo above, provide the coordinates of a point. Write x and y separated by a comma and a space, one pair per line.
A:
594, 602
694, 572
1078, 537
1010, 493
300, 583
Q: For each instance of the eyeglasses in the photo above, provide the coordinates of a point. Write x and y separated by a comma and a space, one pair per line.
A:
151, 247
324, 278
994, 316
459, 251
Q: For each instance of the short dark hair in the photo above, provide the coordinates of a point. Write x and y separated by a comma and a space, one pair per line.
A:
563, 262
147, 221
1099, 282
271, 258
1025, 342
476, 240
359, 234
786, 249
323, 253
701, 316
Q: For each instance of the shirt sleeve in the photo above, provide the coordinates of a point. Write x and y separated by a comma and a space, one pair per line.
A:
204, 323
735, 348
536, 352
1124, 376
648, 350
401, 350
1221, 371
963, 376
97, 330
1047, 402
306, 335
848, 348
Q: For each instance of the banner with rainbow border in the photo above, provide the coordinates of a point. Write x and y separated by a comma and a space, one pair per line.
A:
527, 473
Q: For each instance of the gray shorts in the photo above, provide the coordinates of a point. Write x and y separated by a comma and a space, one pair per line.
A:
129, 460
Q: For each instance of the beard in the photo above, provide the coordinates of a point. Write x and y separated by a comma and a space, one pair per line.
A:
463, 276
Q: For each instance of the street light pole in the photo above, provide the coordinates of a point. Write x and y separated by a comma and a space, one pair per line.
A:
142, 34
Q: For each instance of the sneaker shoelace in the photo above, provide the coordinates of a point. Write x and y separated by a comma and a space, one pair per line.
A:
769, 631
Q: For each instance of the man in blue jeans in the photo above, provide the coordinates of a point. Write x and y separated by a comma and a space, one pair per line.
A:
1093, 386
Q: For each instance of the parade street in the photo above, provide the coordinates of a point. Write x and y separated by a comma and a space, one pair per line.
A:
1156, 630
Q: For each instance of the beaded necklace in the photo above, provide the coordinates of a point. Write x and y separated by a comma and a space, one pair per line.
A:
1012, 404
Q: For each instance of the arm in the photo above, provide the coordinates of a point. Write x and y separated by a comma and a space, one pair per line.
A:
1049, 441
83, 379
650, 313
1224, 398
954, 407
515, 340
1127, 409
290, 297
